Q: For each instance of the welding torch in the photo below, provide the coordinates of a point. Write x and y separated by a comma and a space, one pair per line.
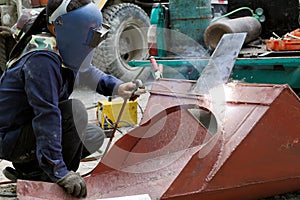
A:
157, 68
139, 89
136, 92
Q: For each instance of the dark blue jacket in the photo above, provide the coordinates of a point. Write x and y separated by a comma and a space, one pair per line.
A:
30, 91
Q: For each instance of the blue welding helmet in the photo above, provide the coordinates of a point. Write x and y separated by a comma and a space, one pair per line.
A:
78, 32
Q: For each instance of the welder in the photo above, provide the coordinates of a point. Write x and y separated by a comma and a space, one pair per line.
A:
43, 132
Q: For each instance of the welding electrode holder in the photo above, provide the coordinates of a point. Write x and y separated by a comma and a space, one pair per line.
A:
139, 90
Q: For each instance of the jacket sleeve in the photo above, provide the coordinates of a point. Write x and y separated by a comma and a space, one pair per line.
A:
98, 81
42, 85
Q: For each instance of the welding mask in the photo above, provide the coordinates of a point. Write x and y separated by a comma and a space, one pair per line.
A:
78, 32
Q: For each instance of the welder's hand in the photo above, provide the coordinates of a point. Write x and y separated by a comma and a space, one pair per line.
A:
131, 90
74, 184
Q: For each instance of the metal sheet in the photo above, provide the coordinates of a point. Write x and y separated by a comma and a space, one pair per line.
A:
220, 65
255, 154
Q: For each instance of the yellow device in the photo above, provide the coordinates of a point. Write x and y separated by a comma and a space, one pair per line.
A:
107, 113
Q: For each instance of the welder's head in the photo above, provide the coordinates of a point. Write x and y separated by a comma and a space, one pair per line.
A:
77, 25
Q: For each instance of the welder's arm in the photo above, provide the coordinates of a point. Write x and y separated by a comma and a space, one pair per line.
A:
105, 84
131, 90
125, 90
42, 83
98, 81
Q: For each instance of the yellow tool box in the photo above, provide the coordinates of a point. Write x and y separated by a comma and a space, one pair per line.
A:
107, 113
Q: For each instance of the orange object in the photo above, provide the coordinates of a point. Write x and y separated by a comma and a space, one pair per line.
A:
38, 3
296, 32
283, 45
291, 42
44, 2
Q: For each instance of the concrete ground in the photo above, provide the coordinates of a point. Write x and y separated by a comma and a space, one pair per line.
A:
90, 99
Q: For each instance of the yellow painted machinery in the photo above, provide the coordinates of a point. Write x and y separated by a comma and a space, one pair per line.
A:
108, 110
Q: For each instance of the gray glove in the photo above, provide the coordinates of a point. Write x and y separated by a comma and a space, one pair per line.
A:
74, 184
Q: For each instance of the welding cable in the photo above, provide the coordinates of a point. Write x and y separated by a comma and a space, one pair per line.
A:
117, 123
112, 134
112, 124
91, 107
92, 158
140, 107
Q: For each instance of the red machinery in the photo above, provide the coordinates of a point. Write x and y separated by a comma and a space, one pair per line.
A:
290, 42
254, 153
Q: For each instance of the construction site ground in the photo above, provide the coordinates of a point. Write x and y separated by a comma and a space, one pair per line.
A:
90, 99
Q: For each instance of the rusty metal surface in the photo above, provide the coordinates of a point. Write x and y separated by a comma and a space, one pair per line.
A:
254, 154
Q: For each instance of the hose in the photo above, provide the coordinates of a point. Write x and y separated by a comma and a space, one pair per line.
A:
232, 12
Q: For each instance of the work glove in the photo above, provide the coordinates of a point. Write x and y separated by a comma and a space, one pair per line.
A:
131, 90
74, 184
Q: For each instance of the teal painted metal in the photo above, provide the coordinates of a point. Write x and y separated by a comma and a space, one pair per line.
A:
273, 70
184, 18
269, 61
286, 75
170, 63
190, 17
155, 14
157, 17
278, 70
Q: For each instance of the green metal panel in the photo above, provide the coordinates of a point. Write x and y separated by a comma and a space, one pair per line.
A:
278, 70
157, 17
190, 17
289, 75
251, 70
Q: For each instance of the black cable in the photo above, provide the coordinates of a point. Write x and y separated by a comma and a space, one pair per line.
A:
112, 124
140, 107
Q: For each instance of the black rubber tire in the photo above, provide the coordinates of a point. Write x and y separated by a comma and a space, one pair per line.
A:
127, 40
6, 44
3, 58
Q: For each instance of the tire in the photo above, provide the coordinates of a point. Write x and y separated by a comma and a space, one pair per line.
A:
126, 40
6, 44
3, 58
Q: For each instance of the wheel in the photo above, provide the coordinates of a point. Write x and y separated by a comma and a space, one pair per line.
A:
2, 54
126, 40
6, 44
